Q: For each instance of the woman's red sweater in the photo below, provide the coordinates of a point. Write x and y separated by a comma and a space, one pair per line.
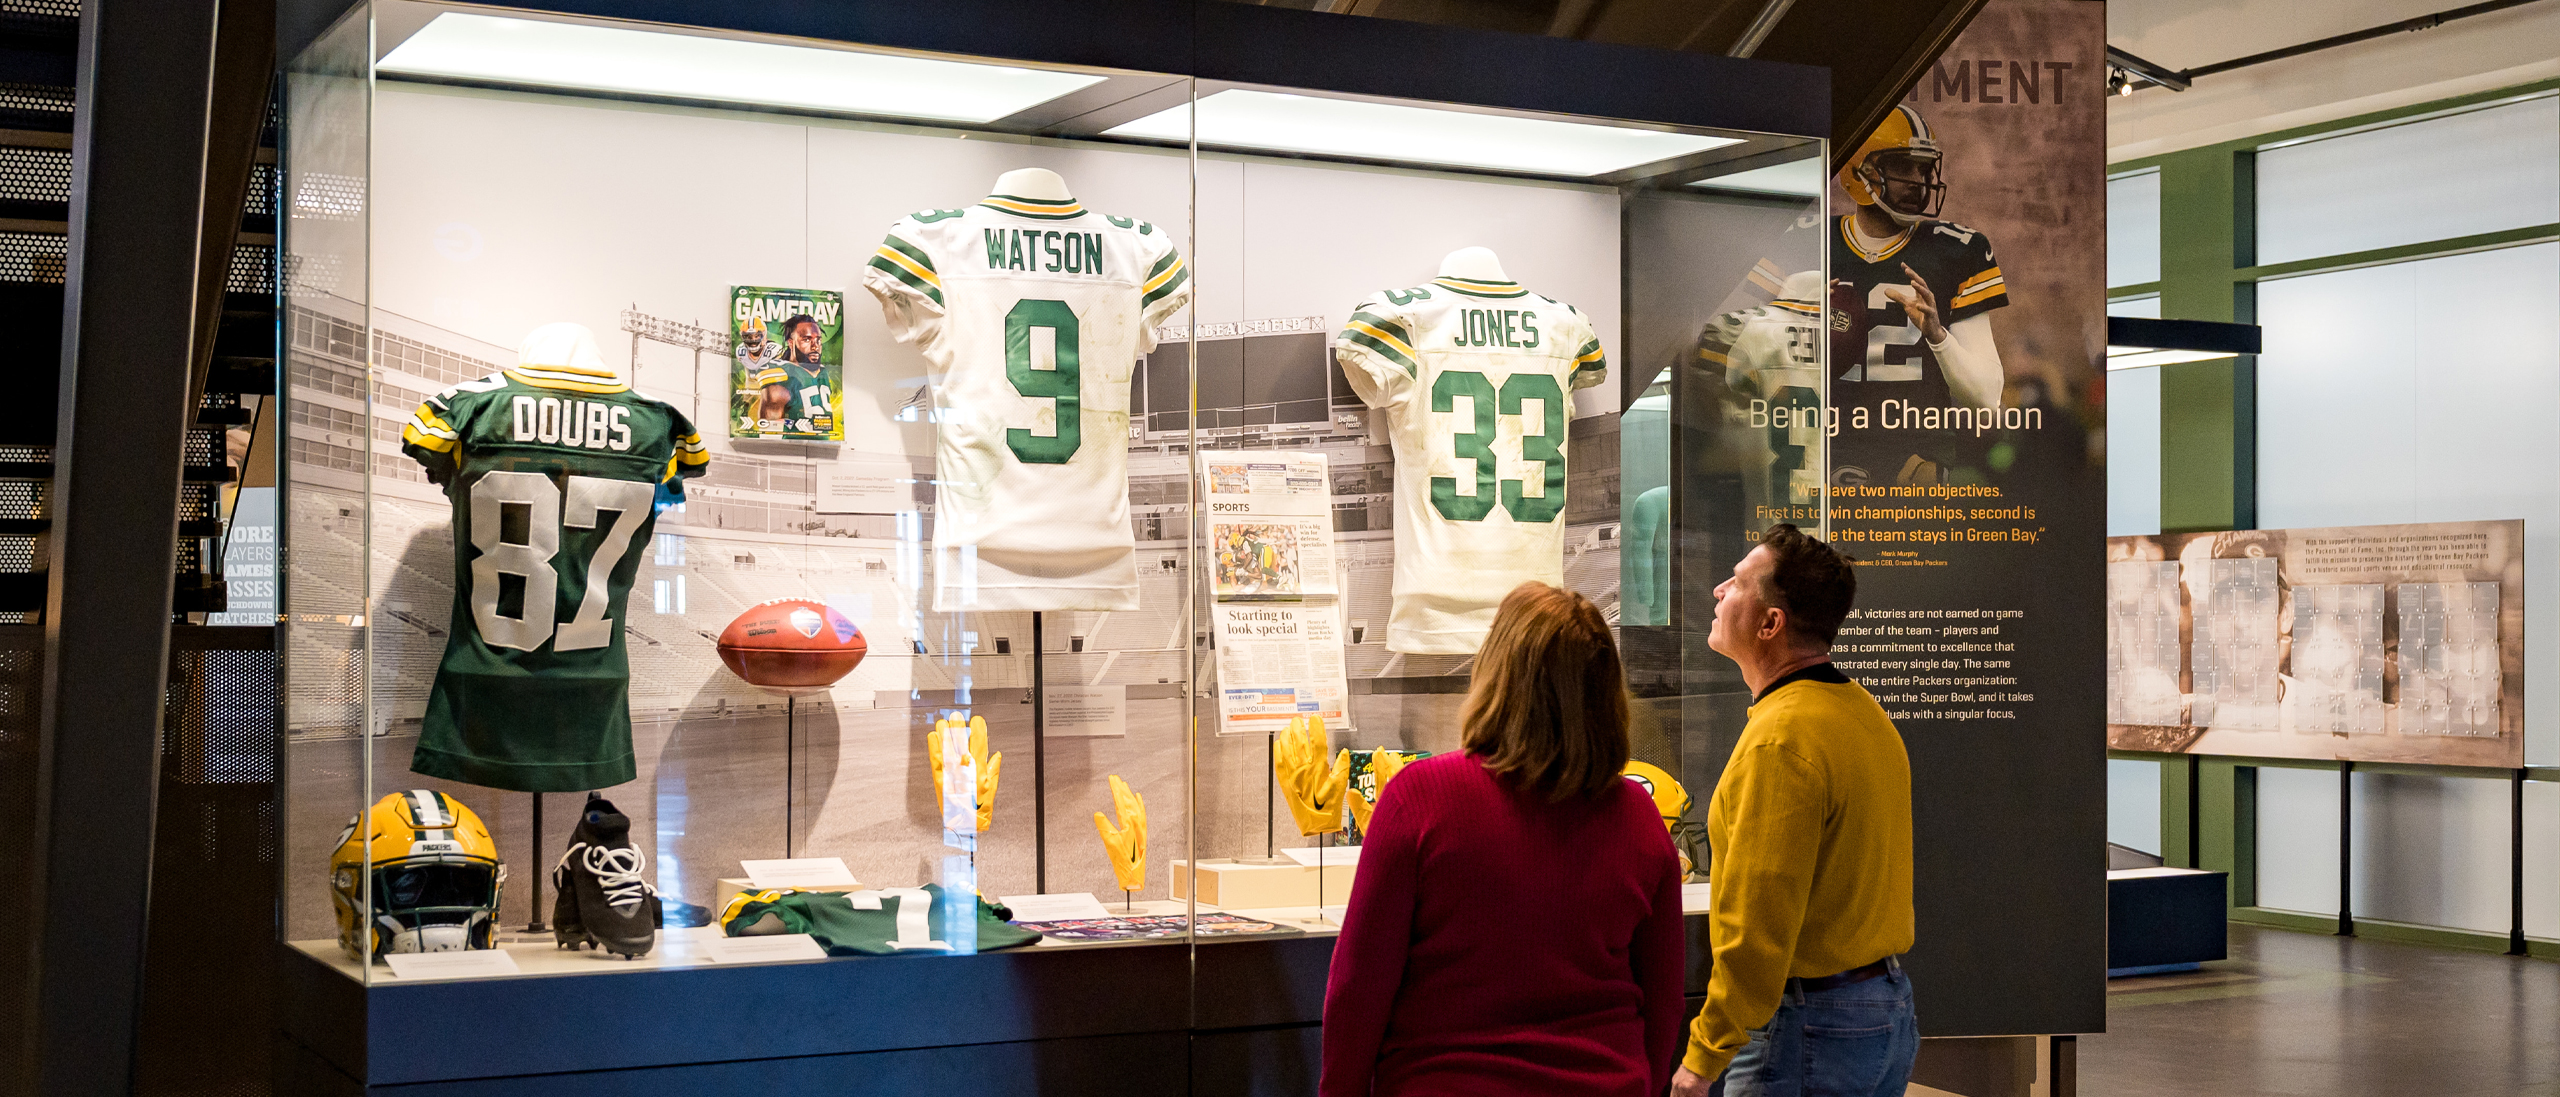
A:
1500, 944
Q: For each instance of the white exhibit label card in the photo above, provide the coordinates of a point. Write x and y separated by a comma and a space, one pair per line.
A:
771, 949
1090, 712
1278, 661
1061, 907
799, 872
1693, 898
474, 963
1270, 524
866, 483
1330, 856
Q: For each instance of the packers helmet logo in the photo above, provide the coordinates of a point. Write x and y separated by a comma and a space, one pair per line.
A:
1669, 799
1897, 169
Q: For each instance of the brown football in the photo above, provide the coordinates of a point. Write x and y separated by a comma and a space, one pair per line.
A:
792, 645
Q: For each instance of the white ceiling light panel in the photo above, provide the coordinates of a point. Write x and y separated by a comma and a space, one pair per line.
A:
1278, 122
613, 59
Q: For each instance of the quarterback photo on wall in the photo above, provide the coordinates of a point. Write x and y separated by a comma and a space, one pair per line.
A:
787, 363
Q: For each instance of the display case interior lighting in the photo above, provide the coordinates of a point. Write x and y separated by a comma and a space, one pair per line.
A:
2141, 357
528, 52
1793, 179
1267, 121
2134, 342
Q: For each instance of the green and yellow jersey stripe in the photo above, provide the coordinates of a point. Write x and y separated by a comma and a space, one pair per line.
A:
568, 379
1476, 288
1385, 337
909, 264
1167, 276
1979, 288
1590, 358
1034, 207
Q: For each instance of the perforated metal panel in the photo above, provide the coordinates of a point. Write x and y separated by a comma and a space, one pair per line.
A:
214, 864
252, 269
33, 257
262, 191
24, 499
221, 723
36, 101
35, 175
56, 9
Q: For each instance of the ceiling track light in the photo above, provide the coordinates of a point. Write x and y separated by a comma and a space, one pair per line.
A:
2132, 68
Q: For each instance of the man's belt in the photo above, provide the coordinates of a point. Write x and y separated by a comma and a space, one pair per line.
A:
1850, 977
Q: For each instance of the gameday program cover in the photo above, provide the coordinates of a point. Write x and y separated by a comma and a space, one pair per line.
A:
787, 363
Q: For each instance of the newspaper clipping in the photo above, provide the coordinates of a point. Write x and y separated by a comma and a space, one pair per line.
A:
1278, 613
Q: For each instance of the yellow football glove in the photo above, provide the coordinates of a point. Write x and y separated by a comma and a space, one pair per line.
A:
1126, 843
973, 783
1384, 764
1314, 792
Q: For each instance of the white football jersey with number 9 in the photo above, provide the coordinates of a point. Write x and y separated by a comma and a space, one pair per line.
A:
1031, 315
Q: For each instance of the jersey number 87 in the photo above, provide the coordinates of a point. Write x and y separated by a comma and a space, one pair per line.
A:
530, 559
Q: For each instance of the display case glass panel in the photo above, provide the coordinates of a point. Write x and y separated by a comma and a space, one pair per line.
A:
1182, 432
1519, 308
841, 435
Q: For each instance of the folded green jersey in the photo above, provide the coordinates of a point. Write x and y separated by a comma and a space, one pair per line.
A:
875, 922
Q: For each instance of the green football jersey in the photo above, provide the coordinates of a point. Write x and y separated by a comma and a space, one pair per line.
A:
875, 922
553, 472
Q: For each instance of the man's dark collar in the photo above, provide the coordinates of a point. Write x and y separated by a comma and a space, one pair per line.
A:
1822, 672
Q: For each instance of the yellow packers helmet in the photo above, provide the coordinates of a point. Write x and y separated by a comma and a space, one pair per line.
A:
752, 332
1668, 797
1896, 170
433, 877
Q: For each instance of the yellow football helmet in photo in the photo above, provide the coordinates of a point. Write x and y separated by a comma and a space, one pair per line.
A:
433, 873
1901, 155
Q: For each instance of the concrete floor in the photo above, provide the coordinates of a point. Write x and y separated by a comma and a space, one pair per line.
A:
2300, 1013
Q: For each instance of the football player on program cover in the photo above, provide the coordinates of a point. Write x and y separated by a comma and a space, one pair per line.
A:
756, 349
1913, 362
811, 410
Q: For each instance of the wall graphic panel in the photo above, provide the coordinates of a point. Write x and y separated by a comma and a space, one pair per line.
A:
2362, 643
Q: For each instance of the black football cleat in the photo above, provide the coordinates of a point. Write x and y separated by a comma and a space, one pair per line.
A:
603, 901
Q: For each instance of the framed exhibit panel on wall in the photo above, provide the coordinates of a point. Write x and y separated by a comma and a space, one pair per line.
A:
2400, 644
844, 508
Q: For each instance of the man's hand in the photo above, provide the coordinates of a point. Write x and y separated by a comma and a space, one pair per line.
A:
1919, 304
1689, 1083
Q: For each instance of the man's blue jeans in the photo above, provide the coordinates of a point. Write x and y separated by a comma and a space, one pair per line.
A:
1852, 1041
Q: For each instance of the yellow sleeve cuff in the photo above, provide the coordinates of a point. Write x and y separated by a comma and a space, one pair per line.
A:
1704, 1062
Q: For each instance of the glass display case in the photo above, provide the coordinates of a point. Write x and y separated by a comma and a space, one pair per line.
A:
757, 502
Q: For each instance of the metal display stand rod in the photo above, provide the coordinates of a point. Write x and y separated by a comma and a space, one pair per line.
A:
2516, 944
790, 770
2346, 849
533, 920
1271, 796
1039, 761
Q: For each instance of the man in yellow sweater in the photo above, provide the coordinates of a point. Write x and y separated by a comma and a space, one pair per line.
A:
1810, 830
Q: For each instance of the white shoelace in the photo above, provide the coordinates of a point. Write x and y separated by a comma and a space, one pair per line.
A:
617, 871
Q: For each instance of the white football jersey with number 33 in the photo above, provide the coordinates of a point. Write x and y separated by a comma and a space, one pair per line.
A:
1475, 381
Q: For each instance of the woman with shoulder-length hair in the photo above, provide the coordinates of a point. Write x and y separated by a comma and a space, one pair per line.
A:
1515, 927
